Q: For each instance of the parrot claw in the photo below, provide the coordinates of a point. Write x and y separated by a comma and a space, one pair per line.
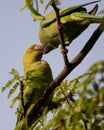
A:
63, 50
59, 26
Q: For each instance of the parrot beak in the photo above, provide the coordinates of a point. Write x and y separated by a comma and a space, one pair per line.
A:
40, 48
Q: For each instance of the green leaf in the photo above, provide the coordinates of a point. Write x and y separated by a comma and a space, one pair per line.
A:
23, 7
14, 101
14, 88
34, 13
9, 83
101, 95
14, 72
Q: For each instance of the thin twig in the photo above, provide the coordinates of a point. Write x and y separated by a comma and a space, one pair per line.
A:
85, 124
64, 94
22, 97
69, 96
56, 104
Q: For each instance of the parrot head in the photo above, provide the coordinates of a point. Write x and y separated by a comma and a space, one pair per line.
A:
33, 54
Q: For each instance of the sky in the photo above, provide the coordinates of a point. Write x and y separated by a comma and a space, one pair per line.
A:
17, 32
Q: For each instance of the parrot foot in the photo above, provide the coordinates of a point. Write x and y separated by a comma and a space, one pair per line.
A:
59, 26
63, 50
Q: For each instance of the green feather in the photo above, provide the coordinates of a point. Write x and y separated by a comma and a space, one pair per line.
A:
65, 11
74, 21
37, 77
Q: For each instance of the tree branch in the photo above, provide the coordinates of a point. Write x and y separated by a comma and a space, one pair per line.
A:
69, 66
66, 70
22, 97
91, 42
85, 124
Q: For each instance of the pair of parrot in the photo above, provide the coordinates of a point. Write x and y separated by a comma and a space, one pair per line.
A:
37, 72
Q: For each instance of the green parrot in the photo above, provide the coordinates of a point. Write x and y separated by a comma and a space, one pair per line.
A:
37, 77
74, 21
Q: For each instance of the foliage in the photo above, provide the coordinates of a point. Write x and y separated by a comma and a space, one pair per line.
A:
12, 85
35, 12
86, 111
80, 102
83, 109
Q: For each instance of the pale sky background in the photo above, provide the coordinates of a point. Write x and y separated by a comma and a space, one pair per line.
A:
18, 32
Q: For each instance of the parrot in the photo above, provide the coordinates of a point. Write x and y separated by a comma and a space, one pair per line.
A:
74, 20
37, 77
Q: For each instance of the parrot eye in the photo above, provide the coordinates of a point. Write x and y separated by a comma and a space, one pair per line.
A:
29, 50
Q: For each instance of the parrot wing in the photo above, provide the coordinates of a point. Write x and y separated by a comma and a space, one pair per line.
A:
63, 12
82, 16
35, 82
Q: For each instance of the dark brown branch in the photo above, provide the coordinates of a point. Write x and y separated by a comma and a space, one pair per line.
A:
87, 47
60, 32
85, 124
66, 70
